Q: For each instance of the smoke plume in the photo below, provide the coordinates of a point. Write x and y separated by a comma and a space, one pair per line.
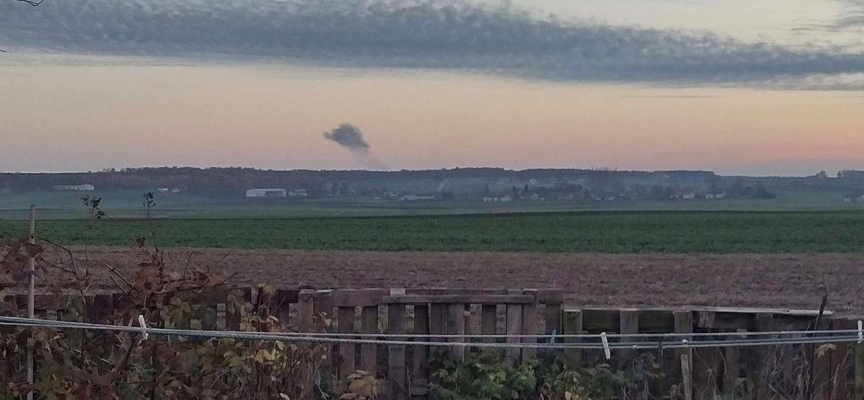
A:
351, 138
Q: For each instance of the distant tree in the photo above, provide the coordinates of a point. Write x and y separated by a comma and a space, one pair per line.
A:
762, 193
714, 189
657, 192
487, 192
526, 190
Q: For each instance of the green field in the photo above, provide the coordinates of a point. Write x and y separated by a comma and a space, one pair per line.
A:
595, 232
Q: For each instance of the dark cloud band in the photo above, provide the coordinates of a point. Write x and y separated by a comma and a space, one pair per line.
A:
413, 34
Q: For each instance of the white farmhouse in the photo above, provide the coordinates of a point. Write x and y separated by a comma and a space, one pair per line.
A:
266, 193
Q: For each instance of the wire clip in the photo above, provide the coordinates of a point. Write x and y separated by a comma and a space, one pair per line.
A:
143, 324
606, 345
860, 332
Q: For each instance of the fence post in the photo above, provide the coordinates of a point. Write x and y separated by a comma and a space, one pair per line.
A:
31, 300
684, 357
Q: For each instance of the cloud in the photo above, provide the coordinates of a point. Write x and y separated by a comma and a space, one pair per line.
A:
350, 137
428, 34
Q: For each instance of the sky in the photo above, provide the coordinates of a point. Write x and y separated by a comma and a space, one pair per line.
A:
774, 87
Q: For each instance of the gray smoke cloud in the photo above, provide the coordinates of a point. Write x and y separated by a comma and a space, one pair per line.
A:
351, 138
449, 35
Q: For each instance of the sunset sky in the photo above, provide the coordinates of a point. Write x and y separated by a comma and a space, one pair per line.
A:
771, 87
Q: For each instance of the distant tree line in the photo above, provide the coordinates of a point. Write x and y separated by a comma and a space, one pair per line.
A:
235, 181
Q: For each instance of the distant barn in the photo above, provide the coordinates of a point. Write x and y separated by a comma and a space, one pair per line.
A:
266, 193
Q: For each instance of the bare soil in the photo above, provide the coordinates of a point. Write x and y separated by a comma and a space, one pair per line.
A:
777, 281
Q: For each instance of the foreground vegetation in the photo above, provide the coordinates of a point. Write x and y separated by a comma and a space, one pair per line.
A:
614, 232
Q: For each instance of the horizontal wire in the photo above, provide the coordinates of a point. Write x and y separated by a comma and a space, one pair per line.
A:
835, 337
681, 335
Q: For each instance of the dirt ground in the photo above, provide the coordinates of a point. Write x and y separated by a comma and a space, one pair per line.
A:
778, 281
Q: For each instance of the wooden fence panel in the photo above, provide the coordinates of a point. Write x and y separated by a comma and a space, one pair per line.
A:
529, 327
397, 382
456, 326
514, 329
347, 352
233, 313
573, 326
420, 366
489, 320
369, 352
683, 357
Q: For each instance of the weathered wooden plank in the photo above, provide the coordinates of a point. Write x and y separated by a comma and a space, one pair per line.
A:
324, 304
840, 358
233, 313
438, 321
859, 371
324, 319
280, 305
369, 352
456, 326
822, 376
572, 325
420, 365
683, 357
306, 311
397, 368
358, 298
489, 323
656, 321
206, 313
629, 323
453, 292
811, 314
596, 320
687, 376
552, 319
514, 328
731, 367
705, 373
100, 309
549, 296
347, 352
453, 299
529, 327
764, 322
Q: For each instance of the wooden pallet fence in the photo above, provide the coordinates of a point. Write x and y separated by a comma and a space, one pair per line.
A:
695, 373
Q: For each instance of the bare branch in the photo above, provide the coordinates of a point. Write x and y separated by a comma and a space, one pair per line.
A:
31, 2
126, 281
